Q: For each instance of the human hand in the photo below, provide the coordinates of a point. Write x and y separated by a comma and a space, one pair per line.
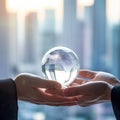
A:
88, 75
88, 79
90, 93
32, 88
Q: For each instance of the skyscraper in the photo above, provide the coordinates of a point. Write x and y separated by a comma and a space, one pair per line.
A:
13, 42
72, 35
116, 50
4, 41
99, 35
69, 23
48, 33
31, 38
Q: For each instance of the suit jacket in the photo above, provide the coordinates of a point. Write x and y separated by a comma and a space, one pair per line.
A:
8, 100
115, 98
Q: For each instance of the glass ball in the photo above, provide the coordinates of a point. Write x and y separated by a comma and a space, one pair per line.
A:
60, 64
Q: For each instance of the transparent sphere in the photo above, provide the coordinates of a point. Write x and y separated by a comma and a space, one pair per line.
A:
60, 64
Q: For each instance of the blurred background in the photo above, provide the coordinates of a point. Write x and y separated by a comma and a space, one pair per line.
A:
29, 28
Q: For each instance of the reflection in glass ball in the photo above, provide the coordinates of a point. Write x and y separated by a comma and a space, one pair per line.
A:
60, 64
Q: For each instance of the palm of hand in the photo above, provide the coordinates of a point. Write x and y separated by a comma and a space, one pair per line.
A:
106, 77
95, 76
92, 87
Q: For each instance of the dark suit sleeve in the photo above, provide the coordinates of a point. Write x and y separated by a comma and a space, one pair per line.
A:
115, 98
8, 100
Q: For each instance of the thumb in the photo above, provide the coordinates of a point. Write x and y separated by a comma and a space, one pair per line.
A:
49, 84
87, 74
38, 82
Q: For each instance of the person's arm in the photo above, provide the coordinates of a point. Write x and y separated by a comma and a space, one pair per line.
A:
82, 87
8, 100
115, 99
29, 88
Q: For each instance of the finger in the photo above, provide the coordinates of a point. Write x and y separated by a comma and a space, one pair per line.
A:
83, 89
84, 105
51, 104
51, 98
49, 84
73, 84
36, 81
84, 100
79, 81
90, 100
96, 88
88, 104
63, 104
87, 74
59, 99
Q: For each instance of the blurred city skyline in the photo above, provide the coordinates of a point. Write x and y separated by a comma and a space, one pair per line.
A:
28, 29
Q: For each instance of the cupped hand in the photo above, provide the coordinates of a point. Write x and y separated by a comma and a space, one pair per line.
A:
90, 93
88, 75
33, 88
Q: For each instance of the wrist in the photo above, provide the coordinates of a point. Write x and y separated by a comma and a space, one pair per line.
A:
18, 80
8, 92
108, 92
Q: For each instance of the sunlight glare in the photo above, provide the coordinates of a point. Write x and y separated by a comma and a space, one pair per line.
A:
113, 10
85, 2
31, 5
